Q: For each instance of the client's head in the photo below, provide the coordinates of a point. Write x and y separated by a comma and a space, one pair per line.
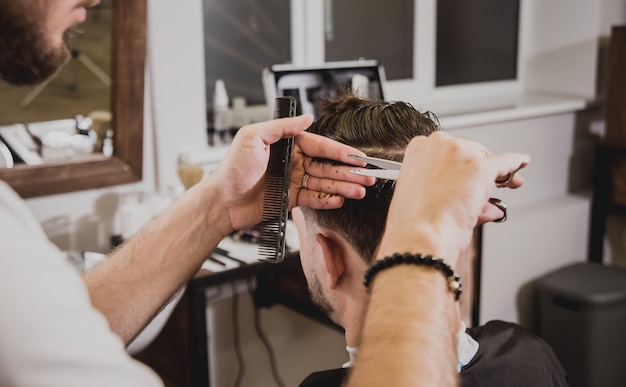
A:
337, 245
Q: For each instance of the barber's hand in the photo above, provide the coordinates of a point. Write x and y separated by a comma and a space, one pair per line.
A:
322, 185
239, 179
442, 193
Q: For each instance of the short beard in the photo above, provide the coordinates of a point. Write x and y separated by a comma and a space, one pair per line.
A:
26, 56
317, 295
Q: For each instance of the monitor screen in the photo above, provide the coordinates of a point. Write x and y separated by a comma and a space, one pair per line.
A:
308, 84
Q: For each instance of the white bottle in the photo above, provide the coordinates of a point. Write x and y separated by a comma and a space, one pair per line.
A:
220, 114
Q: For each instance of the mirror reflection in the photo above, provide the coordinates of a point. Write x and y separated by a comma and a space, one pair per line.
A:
69, 116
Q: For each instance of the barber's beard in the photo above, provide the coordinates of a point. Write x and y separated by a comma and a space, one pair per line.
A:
317, 295
26, 55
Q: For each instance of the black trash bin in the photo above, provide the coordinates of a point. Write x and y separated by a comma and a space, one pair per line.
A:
582, 315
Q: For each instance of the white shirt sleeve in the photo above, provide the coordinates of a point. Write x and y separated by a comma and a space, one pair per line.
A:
50, 335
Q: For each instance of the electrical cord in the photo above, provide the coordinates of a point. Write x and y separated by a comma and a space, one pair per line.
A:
268, 347
236, 339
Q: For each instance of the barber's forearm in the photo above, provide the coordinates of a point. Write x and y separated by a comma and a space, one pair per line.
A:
408, 337
131, 286
409, 332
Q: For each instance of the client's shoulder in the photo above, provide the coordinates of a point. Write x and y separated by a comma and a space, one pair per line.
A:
510, 352
498, 327
504, 332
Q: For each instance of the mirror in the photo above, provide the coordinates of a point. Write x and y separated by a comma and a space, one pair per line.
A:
128, 48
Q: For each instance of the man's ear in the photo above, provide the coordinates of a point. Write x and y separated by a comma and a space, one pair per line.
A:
333, 257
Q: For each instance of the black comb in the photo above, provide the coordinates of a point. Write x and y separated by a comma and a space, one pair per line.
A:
276, 192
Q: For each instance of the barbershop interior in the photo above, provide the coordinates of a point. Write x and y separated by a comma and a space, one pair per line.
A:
154, 92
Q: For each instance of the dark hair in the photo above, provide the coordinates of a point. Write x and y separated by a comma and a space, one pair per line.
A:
380, 129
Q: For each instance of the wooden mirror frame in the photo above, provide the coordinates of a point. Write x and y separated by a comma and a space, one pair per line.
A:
127, 97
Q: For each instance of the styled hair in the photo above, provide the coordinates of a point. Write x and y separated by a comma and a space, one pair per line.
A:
379, 129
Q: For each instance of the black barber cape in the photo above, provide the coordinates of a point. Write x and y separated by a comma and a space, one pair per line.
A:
507, 355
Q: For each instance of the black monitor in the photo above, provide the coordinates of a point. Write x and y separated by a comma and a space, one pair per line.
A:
307, 84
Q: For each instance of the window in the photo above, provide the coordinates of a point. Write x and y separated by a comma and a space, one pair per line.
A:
241, 38
430, 49
476, 41
371, 29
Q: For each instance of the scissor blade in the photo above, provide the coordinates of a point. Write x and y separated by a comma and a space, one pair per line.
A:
378, 173
381, 163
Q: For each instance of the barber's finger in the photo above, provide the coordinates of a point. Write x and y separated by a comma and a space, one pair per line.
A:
317, 200
335, 187
274, 130
334, 172
490, 213
314, 145
509, 165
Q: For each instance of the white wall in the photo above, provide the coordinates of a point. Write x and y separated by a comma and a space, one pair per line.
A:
176, 61
562, 41
547, 225
612, 13
560, 46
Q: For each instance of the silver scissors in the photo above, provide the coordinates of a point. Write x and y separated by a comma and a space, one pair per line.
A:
390, 169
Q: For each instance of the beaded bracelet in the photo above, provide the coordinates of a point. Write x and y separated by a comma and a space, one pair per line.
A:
454, 280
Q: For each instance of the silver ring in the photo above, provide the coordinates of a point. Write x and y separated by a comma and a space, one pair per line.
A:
501, 206
305, 180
